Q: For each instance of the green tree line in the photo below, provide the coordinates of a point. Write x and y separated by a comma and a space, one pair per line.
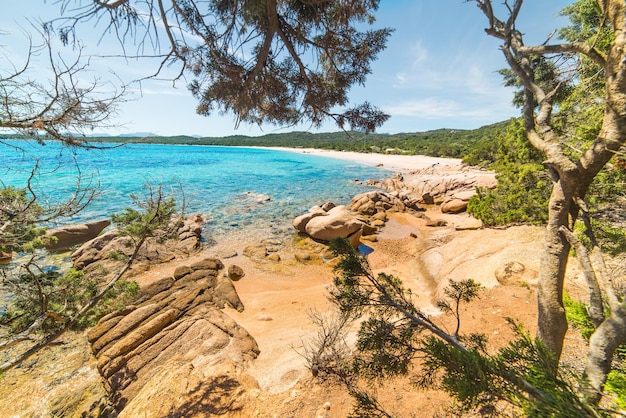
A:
453, 143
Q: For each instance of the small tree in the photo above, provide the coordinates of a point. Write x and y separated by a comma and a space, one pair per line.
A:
396, 338
23, 211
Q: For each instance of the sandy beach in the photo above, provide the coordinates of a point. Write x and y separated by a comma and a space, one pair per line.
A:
393, 162
281, 294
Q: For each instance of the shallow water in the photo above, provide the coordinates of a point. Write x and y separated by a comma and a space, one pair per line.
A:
246, 193
237, 188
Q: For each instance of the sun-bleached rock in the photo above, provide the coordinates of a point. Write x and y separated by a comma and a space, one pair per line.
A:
337, 223
301, 221
510, 272
466, 223
454, 206
437, 184
258, 250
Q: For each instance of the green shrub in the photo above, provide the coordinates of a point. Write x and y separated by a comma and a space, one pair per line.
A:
19, 216
116, 255
114, 300
523, 189
616, 384
577, 315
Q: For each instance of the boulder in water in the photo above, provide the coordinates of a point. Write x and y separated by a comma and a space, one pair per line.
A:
300, 222
69, 236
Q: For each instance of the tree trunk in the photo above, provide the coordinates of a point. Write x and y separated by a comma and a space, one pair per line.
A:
572, 176
551, 320
602, 345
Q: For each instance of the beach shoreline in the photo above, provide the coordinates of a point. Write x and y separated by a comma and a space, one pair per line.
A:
392, 162
390, 165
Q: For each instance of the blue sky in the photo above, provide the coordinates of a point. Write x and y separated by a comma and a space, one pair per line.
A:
438, 71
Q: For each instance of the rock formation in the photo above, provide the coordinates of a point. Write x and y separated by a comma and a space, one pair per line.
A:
338, 222
301, 221
457, 202
371, 208
111, 248
173, 352
69, 236
451, 189
5, 257
258, 197
327, 222
366, 213
235, 273
372, 203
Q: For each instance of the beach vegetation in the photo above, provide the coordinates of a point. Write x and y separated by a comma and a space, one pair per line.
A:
576, 142
19, 221
572, 113
523, 188
249, 61
472, 145
396, 338
116, 255
25, 211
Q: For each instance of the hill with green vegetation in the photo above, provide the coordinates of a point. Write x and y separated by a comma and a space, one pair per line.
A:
438, 143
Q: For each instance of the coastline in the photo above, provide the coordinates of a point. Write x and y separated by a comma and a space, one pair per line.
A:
281, 293
392, 162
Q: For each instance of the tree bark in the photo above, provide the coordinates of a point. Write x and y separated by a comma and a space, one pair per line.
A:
551, 320
602, 345
596, 305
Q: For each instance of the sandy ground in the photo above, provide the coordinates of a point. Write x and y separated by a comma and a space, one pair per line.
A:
279, 299
280, 296
397, 163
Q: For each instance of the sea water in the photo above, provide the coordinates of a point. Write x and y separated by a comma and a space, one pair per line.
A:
252, 189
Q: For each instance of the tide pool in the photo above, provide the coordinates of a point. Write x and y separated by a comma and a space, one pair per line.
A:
236, 188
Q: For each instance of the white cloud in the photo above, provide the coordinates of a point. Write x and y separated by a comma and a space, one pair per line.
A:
449, 76
430, 108
477, 81
419, 54
435, 108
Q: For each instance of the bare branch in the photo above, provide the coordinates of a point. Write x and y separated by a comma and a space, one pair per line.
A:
576, 48
64, 108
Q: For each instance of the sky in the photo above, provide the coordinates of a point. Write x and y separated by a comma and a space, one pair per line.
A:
439, 70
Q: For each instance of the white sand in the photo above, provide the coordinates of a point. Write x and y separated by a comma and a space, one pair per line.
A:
397, 163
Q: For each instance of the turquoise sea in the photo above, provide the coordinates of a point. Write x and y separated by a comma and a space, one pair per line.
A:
227, 184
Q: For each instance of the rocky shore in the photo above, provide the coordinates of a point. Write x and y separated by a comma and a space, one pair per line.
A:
221, 330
